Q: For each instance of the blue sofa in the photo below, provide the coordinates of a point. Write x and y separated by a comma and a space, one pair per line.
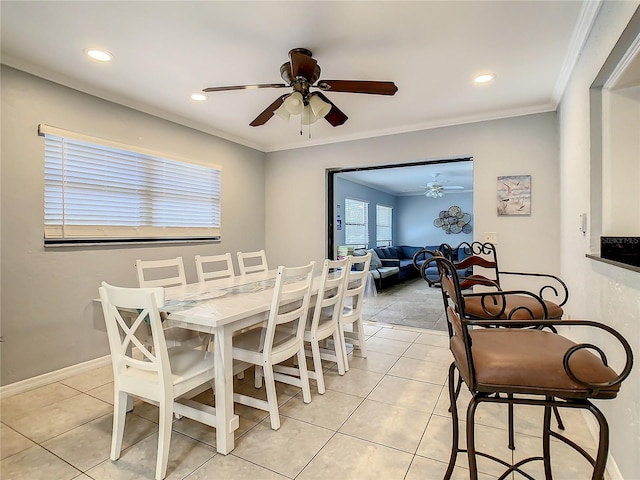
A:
404, 254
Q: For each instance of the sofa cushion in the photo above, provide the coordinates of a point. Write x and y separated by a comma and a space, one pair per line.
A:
388, 252
358, 253
382, 252
375, 259
394, 252
407, 252
384, 272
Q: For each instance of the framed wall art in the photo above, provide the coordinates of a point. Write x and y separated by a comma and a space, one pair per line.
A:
514, 195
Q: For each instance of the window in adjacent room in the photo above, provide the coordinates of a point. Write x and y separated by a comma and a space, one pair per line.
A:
384, 217
102, 192
356, 228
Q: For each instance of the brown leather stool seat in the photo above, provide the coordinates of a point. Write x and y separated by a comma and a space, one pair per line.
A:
516, 307
511, 360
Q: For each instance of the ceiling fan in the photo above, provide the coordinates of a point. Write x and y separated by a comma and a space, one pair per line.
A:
436, 189
301, 74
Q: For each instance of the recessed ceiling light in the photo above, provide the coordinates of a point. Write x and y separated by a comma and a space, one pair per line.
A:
198, 97
484, 78
100, 55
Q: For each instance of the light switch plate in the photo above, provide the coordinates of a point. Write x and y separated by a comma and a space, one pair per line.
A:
491, 237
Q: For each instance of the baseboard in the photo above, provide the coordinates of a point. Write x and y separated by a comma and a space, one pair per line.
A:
51, 377
612, 472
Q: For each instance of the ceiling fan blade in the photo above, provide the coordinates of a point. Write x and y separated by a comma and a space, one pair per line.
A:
302, 65
267, 113
358, 86
335, 116
245, 87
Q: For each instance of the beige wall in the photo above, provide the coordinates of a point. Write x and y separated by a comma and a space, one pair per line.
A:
296, 186
598, 291
47, 310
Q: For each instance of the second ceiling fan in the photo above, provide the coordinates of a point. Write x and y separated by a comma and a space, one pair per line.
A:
301, 74
437, 188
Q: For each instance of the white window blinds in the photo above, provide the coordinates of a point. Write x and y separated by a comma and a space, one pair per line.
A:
356, 220
98, 190
384, 216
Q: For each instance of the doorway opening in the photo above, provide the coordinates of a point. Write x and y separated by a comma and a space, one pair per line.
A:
397, 205
415, 192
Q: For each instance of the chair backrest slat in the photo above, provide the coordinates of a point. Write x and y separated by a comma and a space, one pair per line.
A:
252, 262
331, 289
356, 282
222, 264
161, 273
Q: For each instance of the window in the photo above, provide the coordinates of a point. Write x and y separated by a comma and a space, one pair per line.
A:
356, 225
100, 191
383, 226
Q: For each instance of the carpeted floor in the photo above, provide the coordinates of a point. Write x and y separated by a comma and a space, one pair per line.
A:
411, 303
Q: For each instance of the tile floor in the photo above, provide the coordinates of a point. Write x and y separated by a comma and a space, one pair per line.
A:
385, 419
411, 303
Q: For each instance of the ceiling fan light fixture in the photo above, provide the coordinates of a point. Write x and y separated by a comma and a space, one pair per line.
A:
308, 117
434, 192
319, 107
294, 103
282, 112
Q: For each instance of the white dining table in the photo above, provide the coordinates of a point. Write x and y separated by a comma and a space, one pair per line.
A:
222, 307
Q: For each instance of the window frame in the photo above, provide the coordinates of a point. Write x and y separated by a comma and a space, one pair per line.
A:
385, 242
349, 224
121, 194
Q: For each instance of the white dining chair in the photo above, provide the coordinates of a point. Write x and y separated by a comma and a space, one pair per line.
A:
161, 273
323, 319
209, 267
252, 262
157, 375
281, 339
351, 311
168, 273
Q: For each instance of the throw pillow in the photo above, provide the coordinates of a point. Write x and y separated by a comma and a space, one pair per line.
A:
375, 260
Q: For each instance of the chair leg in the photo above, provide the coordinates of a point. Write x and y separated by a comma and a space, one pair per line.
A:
165, 420
556, 413
317, 366
272, 397
343, 347
603, 444
455, 446
546, 441
512, 443
304, 375
361, 339
471, 441
257, 380
119, 417
338, 349
458, 388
